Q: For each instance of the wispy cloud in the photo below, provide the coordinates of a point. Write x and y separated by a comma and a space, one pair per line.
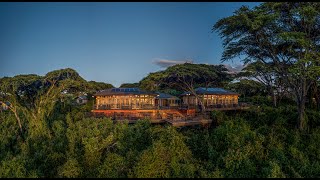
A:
168, 62
234, 69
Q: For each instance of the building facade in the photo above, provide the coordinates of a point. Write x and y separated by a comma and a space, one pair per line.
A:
4, 105
133, 103
211, 98
167, 101
125, 98
81, 100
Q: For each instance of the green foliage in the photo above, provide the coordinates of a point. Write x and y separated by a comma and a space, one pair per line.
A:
129, 85
260, 142
62, 74
114, 166
152, 82
273, 170
172, 92
182, 77
284, 38
218, 117
60, 140
13, 167
243, 147
70, 169
8, 134
247, 88
96, 86
167, 157
138, 137
91, 137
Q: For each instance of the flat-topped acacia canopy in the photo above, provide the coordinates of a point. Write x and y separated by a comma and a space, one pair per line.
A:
123, 91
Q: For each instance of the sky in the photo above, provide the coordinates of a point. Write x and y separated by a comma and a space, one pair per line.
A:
107, 41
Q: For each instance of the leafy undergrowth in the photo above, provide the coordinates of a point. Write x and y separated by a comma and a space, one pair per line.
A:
260, 142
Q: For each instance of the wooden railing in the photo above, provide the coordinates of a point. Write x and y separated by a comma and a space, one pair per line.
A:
144, 106
182, 106
120, 106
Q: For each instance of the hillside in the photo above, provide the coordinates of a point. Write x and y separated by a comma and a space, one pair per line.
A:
42, 137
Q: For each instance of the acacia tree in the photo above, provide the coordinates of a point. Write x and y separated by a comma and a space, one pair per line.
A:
314, 94
189, 76
32, 98
152, 82
286, 34
129, 85
19, 92
265, 74
247, 87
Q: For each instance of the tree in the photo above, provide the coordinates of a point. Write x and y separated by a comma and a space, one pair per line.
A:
168, 157
32, 98
187, 77
314, 94
247, 87
114, 166
152, 82
13, 167
94, 86
70, 169
129, 85
20, 91
264, 74
234, 147
286, 34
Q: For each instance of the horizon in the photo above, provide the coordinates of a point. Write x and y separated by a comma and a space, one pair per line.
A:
114, 43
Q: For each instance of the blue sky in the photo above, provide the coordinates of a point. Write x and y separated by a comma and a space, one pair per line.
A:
108, 42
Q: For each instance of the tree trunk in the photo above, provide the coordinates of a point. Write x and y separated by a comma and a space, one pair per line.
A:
301, 118
317, 102
316, 97
302, 105
274, 100
199, 100
19, 121
203, 108
273, 96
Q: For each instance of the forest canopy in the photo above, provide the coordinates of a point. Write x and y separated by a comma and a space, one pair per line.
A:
45, 134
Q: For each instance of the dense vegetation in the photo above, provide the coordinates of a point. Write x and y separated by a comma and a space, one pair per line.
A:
44, 133
64, 142
283, 41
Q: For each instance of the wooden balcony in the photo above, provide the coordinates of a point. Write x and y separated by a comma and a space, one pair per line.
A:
132, 107
225, 107
176, 116
182, 106
203, 122
120, 106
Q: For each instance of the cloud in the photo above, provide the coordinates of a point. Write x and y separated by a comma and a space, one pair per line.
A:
167, 62
235, 68
232, 69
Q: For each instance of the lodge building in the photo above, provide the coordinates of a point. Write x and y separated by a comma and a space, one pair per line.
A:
134, 103
212, 98
125, 98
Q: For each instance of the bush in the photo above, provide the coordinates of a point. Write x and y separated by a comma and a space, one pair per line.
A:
217, 117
